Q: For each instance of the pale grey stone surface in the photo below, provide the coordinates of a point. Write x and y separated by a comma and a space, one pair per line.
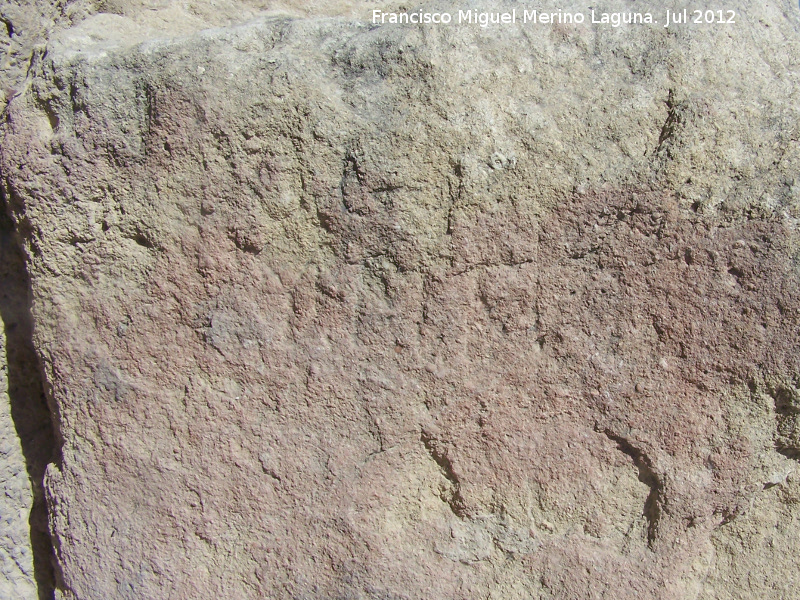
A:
16, 556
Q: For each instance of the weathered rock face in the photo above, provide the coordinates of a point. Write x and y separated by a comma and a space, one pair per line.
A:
16, 556
336, 311
26, 436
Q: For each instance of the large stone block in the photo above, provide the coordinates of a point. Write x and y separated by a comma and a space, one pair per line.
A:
331, 310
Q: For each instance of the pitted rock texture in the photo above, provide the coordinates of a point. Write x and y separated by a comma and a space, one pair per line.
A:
329, 310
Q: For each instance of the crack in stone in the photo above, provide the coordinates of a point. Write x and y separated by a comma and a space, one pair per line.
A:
648, 476
455, 501
670, 124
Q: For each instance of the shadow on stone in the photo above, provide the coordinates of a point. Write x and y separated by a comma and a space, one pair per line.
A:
29, 409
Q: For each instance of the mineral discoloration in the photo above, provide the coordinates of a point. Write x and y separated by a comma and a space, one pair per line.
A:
317, 326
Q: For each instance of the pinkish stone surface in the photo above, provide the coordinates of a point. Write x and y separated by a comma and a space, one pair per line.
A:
334, 311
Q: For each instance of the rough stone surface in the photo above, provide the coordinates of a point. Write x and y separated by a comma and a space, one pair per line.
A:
328, 310
26, 435
16, 556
